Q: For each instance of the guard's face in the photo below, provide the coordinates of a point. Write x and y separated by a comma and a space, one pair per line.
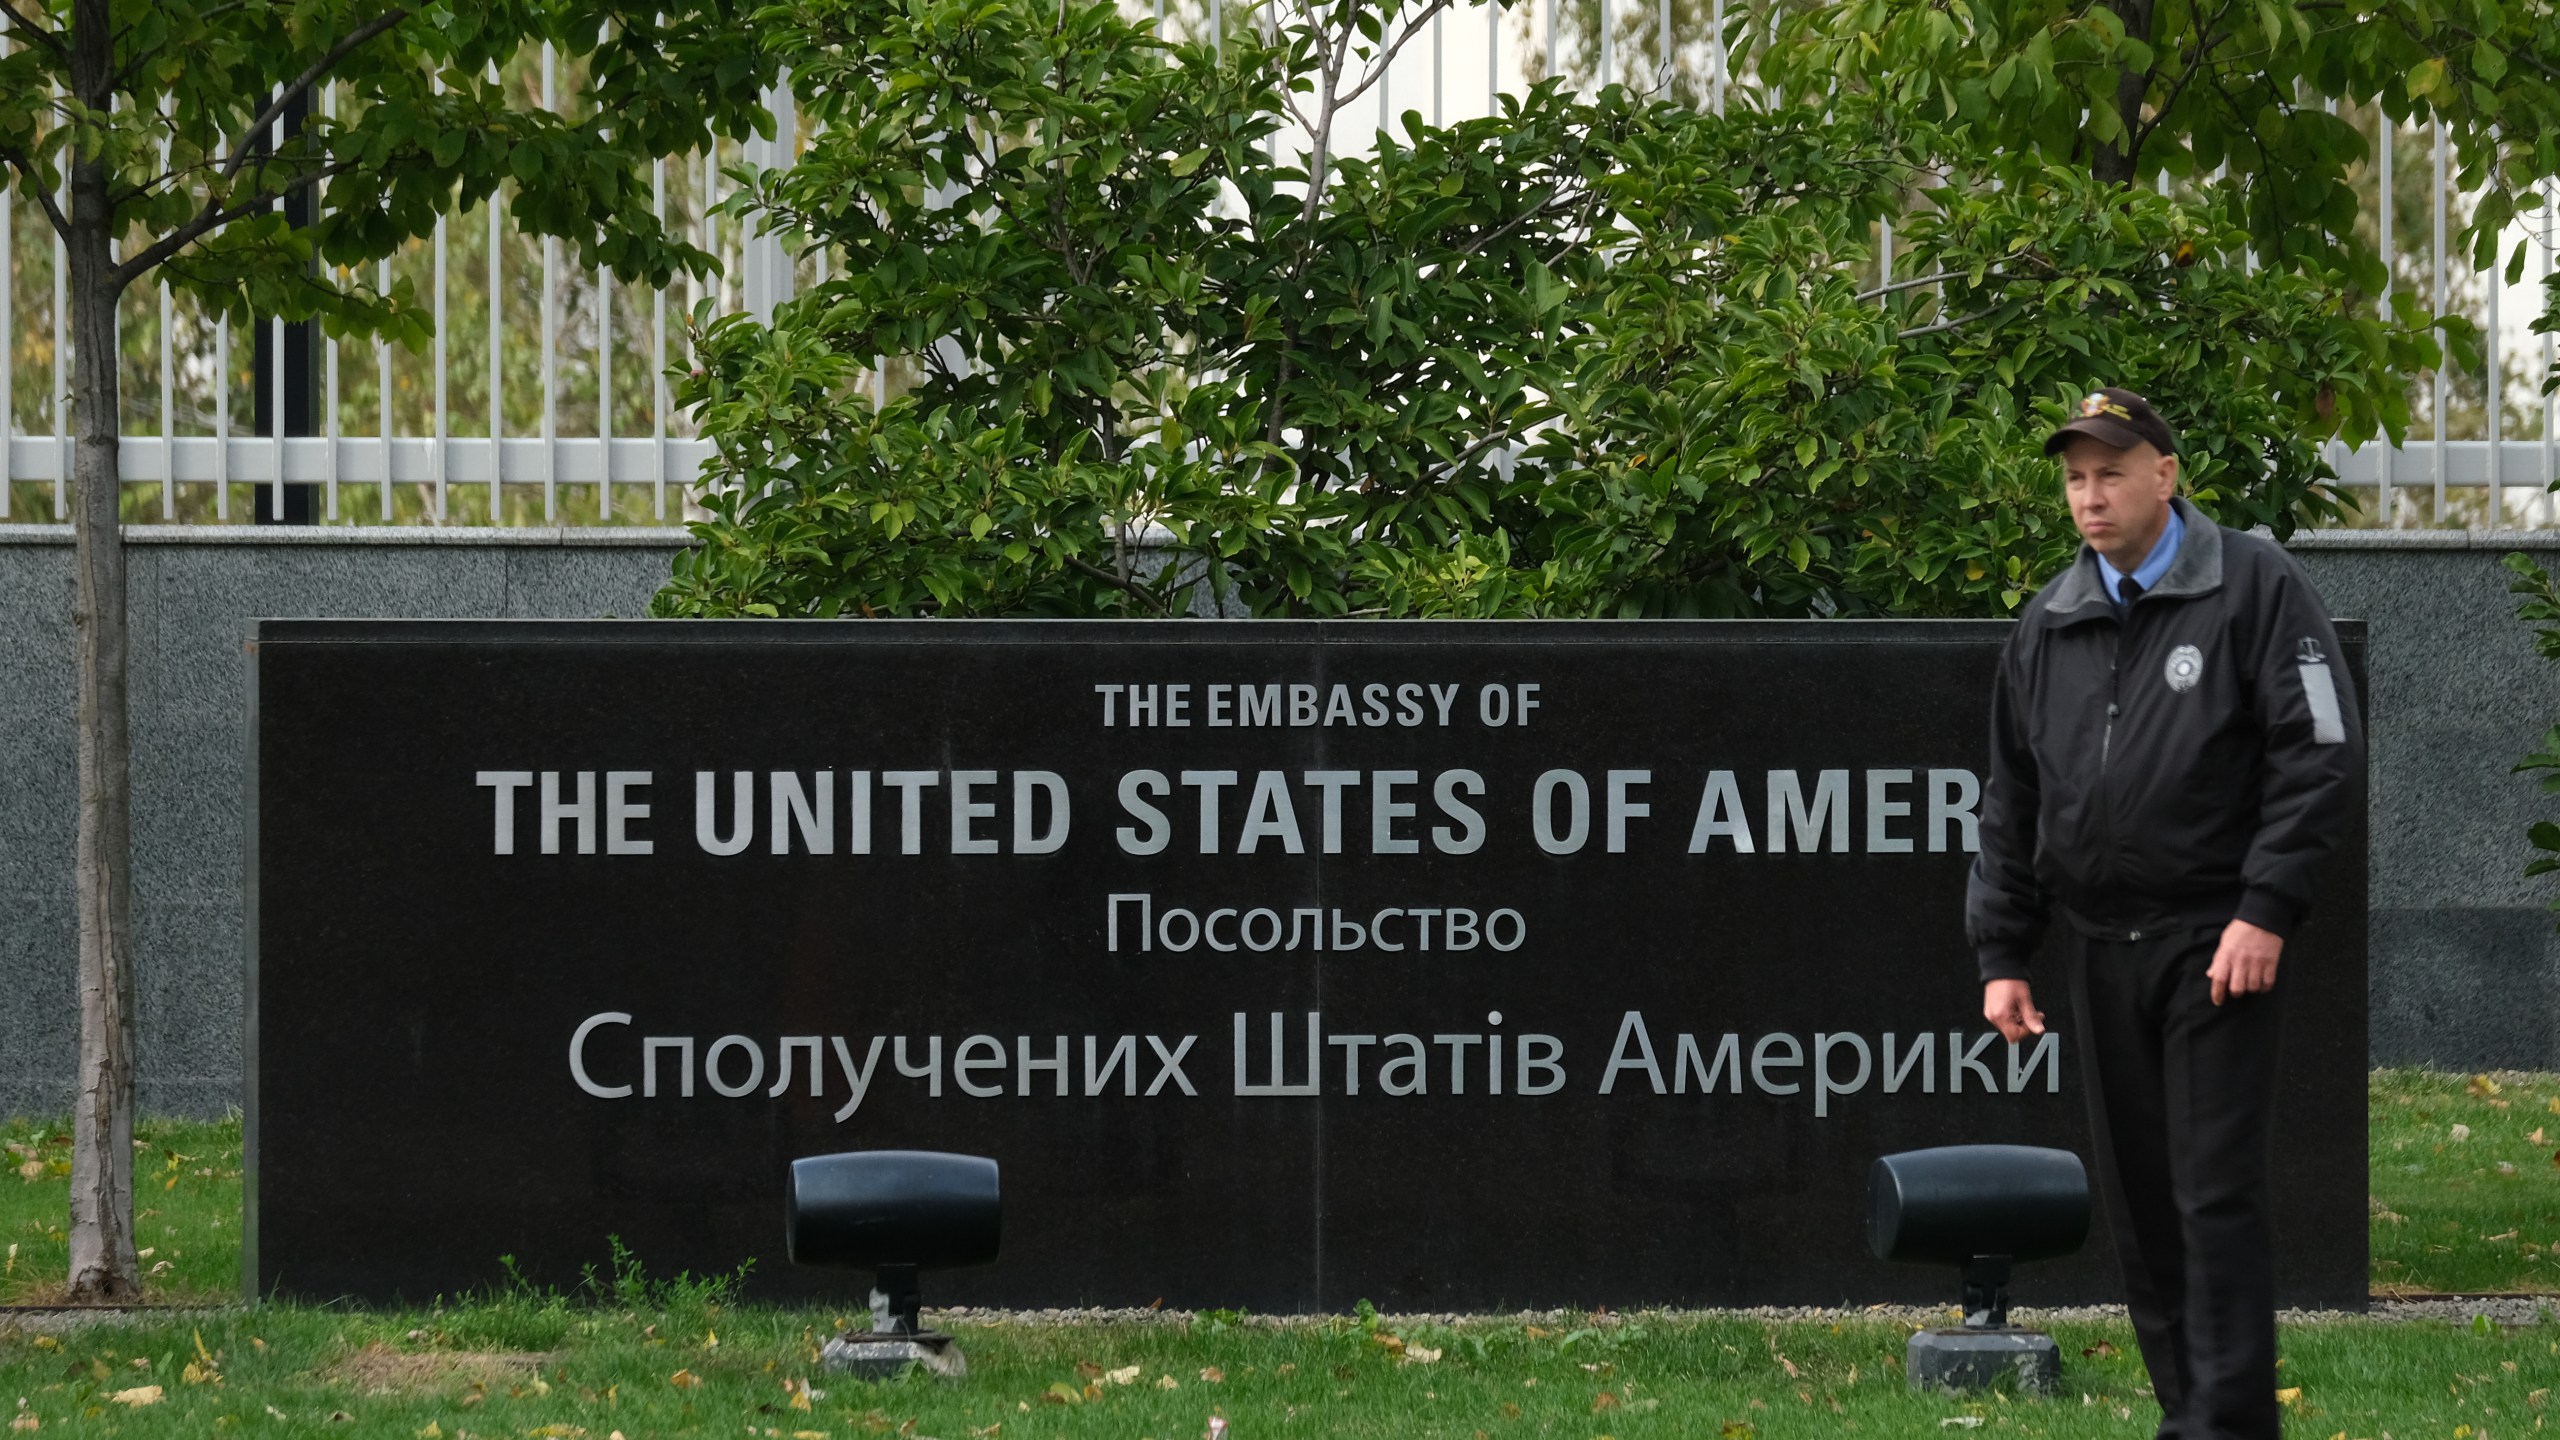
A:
2117, 497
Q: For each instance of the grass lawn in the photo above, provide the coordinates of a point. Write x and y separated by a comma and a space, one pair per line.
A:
2465, 1182
548, 1369
2466, 1196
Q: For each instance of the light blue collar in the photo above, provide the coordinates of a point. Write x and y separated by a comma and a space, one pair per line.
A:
2164, 551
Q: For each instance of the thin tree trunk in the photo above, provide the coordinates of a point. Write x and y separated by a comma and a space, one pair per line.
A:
2114, 163
104, 1268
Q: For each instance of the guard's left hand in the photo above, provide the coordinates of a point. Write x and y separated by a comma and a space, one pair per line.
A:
2245, 962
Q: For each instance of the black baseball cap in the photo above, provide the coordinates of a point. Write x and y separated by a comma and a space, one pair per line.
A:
2119, 418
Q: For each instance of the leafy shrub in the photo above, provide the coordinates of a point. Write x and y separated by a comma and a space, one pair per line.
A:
1582, 357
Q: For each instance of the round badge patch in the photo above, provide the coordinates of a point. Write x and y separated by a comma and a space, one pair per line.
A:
2185, 668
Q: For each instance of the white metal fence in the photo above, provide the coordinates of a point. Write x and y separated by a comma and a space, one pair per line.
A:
544, 396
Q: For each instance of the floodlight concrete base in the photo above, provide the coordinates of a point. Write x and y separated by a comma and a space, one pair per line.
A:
870, 1355
1978, 1359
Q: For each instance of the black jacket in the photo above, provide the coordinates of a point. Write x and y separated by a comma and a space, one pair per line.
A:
2176, 764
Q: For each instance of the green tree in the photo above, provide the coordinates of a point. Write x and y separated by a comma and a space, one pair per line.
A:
2135, 89
158, 123
1582, 357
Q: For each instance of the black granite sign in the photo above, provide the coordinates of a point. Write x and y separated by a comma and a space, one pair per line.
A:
1279, 964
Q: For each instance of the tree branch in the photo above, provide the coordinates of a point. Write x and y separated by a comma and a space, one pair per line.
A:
1882, 291
44, 197
2513, 53
1379, 71
214, 213
27, 27
301, 85
1082, 566
2198, 60
202, 18
178, 239
1944, 325
1528, 213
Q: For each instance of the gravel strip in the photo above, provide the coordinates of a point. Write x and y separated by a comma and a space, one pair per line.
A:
2511, 1310
2508, 1310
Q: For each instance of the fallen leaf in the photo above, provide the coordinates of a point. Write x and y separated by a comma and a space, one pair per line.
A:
1216, 1429
138, 1396
1086, 1369
1605, 1400
431, 1431
26, 1422
1061, 1393
1737, 1430
1419, 1355
2460, 1132
32, 1171
2482, 1086
1211, 1374
46, 1342
2290, 1395
684, 1379
1167, 1382
710, 1339
557, 1431
1511, 1411
1961, 1422
2100, 1351
2536, 1137
1125, 1375
1790, 1367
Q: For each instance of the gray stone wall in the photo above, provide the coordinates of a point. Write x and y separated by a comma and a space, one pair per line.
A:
194, 593
2465, 958
2466, 962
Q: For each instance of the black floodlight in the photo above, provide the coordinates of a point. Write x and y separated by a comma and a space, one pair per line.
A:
894, 1213
1981, 1209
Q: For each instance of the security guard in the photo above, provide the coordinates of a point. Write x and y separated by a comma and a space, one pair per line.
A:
2174, 749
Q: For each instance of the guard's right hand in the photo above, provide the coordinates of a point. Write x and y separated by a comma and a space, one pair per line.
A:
2011, 1008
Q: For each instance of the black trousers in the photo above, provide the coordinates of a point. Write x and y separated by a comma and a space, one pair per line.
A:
2181, 1100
